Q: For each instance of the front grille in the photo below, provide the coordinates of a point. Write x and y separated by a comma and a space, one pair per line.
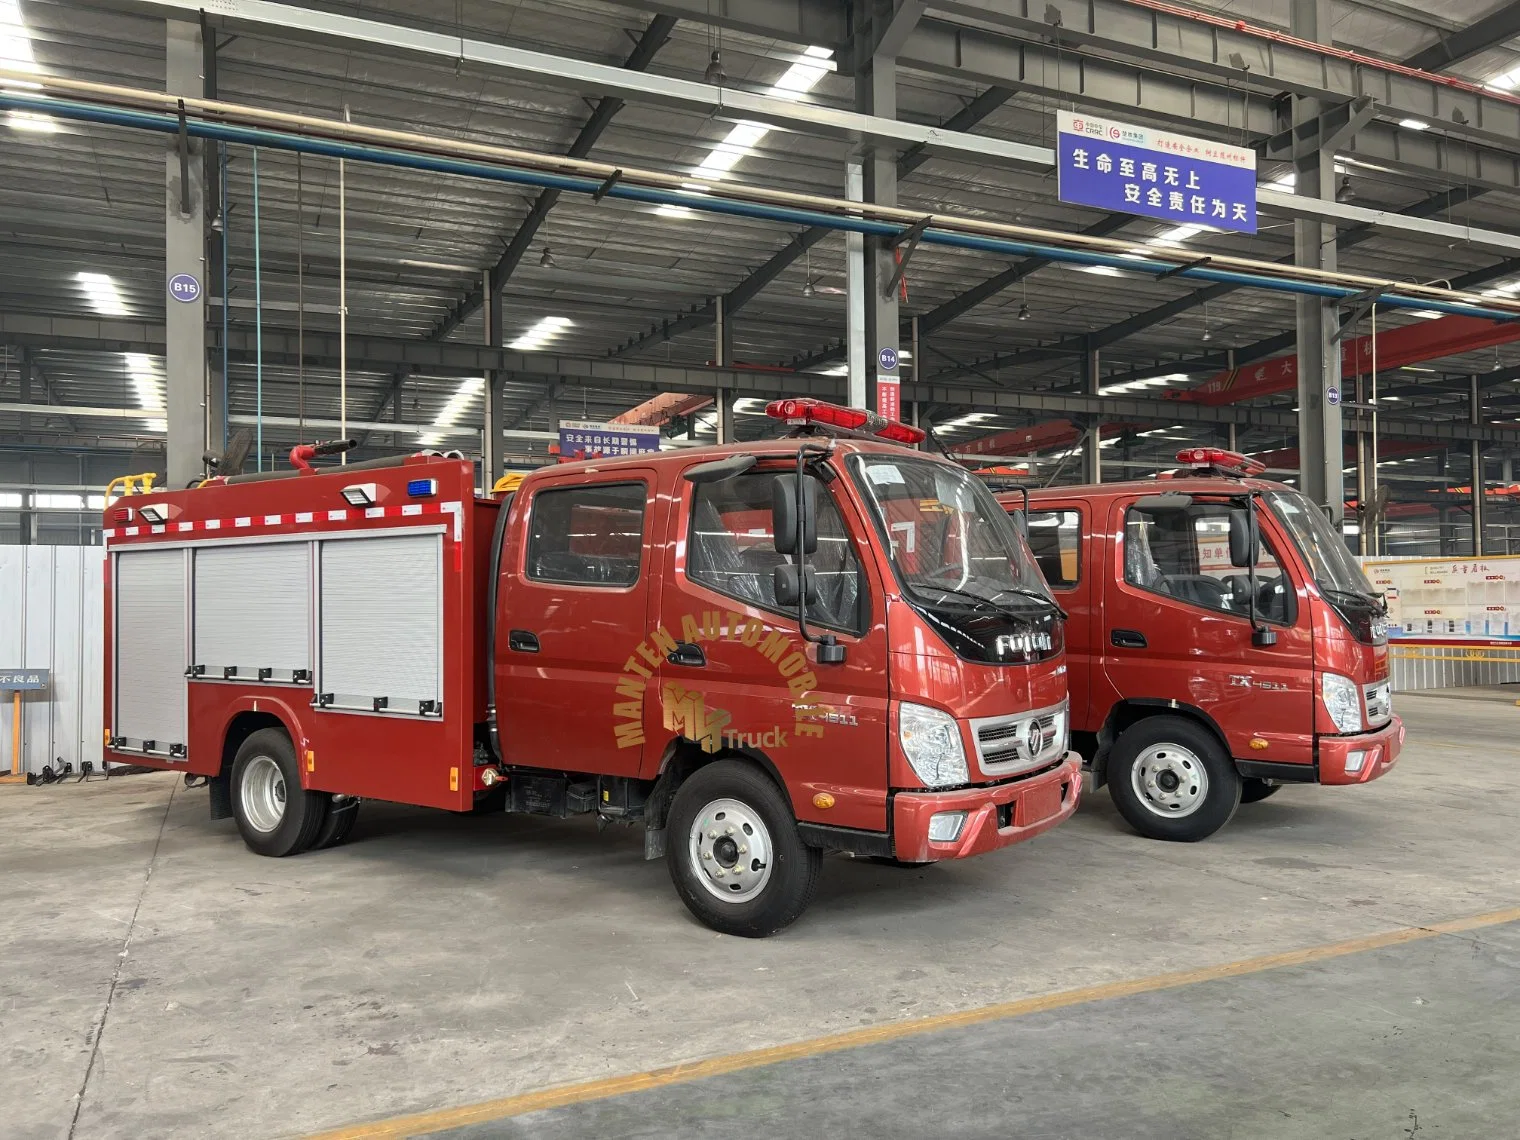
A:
1005, 745
1379, 699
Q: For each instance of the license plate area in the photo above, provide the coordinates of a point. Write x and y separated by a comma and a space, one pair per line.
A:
1039, 804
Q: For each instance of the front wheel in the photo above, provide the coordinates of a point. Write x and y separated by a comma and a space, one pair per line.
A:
734, 853
1171, 779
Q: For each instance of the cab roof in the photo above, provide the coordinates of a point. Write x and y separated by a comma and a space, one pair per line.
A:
764, 448
1189, 484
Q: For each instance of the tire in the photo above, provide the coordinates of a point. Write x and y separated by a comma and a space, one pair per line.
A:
725, 814
275, 815
339, 822
1253, 791
1171, 779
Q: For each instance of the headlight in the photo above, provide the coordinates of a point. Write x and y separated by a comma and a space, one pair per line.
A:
1343, 701
931, 740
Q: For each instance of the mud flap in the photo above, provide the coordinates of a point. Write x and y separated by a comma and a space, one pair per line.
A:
221, 796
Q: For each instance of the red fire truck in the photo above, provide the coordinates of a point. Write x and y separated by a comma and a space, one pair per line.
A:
1222, 641
758, 652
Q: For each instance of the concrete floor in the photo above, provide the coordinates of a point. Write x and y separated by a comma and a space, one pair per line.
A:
440, 960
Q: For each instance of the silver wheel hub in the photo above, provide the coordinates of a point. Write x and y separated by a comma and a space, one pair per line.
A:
1170, 780
730, 850
263, 794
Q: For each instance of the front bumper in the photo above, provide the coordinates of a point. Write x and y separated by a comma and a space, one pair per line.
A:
996, 816
1378, 752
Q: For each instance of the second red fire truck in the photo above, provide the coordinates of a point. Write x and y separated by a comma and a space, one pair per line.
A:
1222, 641
758, 653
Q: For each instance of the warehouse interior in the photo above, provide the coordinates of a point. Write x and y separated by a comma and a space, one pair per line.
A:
250, 226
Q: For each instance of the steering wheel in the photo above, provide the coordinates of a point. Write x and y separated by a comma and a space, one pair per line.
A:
1200, 588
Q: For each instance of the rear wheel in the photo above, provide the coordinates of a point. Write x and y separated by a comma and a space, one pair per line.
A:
274, 814
1253, 790
734, 853
342, 812
1171, 779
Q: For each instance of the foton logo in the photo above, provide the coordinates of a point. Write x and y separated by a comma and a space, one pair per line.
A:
1021, 644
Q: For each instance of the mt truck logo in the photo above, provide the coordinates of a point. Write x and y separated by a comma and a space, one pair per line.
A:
686, 711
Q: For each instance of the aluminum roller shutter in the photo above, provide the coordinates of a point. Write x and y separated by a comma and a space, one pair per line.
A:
150, 649
253, 610
382, 622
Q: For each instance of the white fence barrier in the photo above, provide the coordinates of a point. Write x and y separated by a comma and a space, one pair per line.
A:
51, 618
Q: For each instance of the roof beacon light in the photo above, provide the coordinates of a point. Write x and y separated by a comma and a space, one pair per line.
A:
1223, 462
809, 412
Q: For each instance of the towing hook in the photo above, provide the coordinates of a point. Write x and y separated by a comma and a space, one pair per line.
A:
490, 777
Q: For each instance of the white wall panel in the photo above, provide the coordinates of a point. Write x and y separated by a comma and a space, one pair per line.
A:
50, 618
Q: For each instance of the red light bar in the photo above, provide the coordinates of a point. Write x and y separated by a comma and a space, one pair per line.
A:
1227, 462
804, 410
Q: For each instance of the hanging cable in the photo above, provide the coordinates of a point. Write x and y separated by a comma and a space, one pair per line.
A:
343, 300
226, 253
300, 306
258, 319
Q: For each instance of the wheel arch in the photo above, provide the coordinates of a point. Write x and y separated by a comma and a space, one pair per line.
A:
682, 757
1129, 712
243, 718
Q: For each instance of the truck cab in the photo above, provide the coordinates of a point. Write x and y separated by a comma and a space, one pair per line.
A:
1221, 641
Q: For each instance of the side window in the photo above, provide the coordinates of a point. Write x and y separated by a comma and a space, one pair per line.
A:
1185, 553
587, 536
1055, 540
730, 549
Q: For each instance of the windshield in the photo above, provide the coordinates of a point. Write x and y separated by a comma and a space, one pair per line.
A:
1334, 567
948, 537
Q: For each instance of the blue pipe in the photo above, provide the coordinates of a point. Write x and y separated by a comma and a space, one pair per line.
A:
256, 136
258, 319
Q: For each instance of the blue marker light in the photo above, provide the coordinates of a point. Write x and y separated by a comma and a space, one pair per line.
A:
422, 488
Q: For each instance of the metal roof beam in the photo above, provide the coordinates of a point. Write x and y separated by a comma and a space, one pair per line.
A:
1186, 42
898, 22
821, 22
655, 36
1489, 32
747, 289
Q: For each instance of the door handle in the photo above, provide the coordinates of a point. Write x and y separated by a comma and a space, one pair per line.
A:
522, 641
1127, 638
685, 653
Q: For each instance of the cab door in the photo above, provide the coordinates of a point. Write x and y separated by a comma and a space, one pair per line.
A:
576, 602
1061, 538
1177, 625
739, 676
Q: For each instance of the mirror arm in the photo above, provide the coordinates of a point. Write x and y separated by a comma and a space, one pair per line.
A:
1260, 634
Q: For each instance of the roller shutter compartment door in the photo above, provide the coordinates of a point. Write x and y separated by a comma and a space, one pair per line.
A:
381, 640
150, 651
253, 611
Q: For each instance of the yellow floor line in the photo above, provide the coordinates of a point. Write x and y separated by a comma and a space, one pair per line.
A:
425, 1122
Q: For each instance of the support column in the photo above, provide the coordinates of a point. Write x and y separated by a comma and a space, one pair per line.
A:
723, 343
1319, 362
1443, 514
216, 254
855, 295
184, 257
1475, 415
1092, 440
876, 94
495, 415
27, 520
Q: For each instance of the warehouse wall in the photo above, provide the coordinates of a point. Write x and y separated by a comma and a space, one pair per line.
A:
51, 618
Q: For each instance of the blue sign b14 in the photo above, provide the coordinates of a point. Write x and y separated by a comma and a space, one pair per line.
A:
1135, 170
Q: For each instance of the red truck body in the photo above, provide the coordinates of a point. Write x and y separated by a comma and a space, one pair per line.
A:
631, 645
1160, 633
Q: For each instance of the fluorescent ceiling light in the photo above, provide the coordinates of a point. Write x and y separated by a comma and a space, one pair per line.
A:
1414, 125
540, 334
148, 382
1507, 80
32, 121
1286, 183
967, 420
467, 393
675, 211
1427, 314
798, 79
16, 46
1176, 235
749, 406
1101, 270
102, 293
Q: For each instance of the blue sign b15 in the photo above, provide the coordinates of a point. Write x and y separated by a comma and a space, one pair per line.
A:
1135, 170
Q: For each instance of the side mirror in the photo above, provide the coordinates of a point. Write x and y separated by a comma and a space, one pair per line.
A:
790, 589
1245, 546
785, 523
1020, 521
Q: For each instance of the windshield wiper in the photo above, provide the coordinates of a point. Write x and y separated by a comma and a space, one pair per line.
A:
1044, 599
1375, 601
